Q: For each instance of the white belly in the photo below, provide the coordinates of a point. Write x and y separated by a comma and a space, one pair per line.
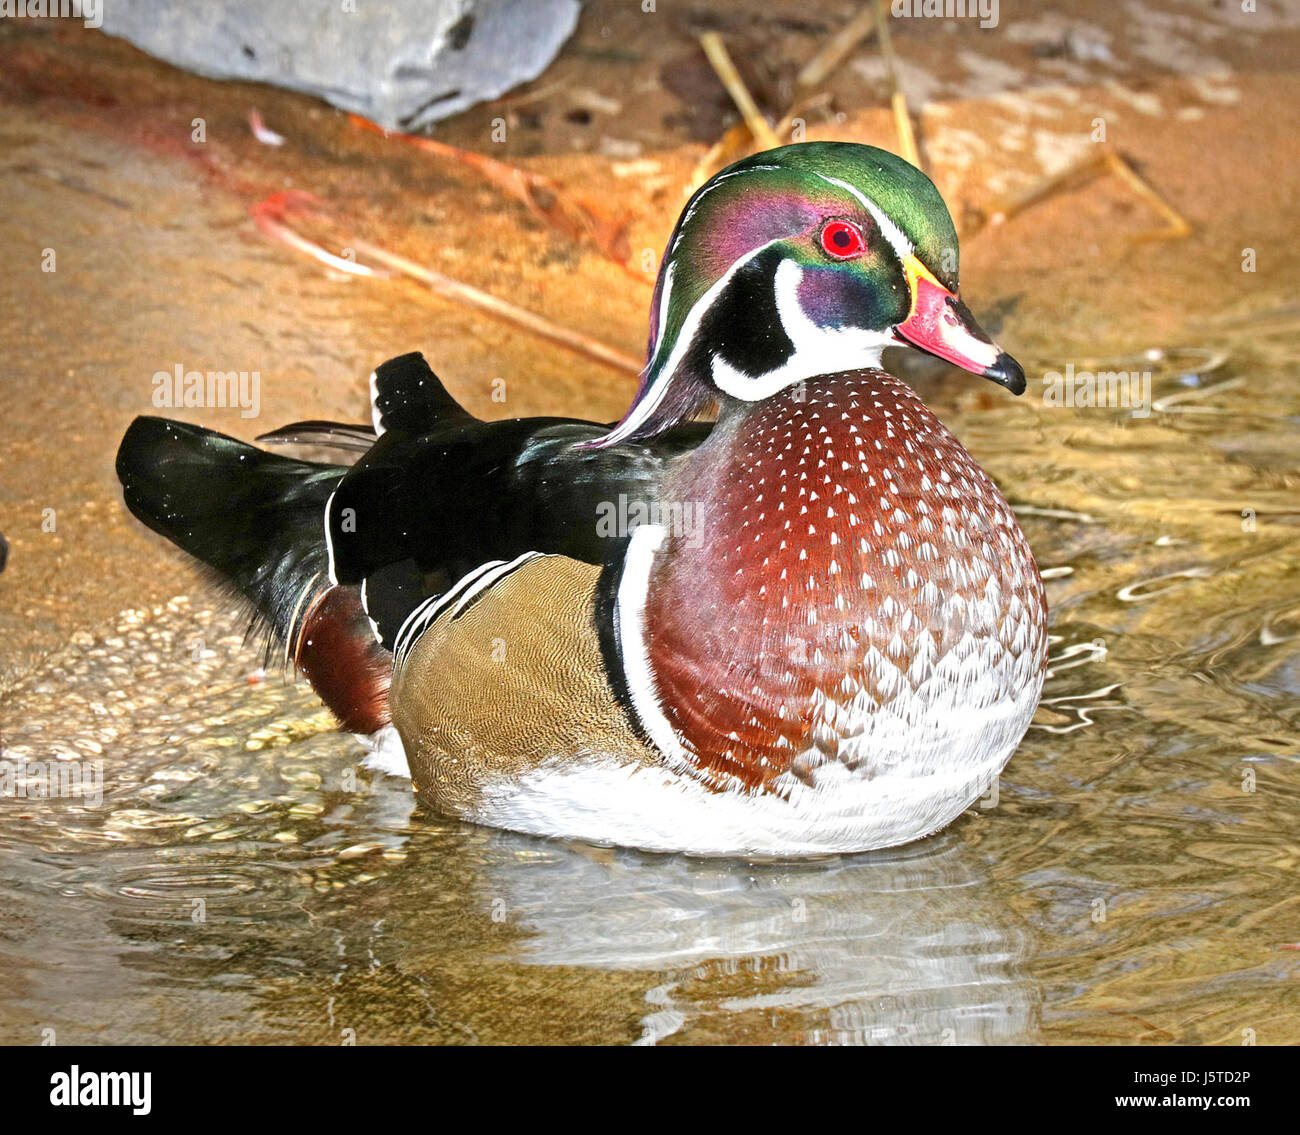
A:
954, 761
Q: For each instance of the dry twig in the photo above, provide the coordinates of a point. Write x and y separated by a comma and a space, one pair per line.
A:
720, 60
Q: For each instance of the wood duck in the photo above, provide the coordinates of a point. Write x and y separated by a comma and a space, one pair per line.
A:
811, 626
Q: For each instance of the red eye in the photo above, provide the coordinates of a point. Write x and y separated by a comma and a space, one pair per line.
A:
843, 240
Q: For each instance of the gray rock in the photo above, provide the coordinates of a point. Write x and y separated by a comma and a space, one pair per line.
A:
401, 63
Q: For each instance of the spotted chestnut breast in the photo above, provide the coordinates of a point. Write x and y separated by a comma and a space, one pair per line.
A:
858, 574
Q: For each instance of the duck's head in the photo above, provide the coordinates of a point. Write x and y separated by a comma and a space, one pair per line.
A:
802, 261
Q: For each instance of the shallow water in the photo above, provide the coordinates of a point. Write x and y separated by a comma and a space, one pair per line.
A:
1133, 880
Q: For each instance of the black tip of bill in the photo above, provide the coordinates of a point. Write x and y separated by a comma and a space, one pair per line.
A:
1005, 371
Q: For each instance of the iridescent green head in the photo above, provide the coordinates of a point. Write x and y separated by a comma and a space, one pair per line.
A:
800, 261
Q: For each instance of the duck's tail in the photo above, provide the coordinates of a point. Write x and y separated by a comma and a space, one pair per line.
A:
257, 520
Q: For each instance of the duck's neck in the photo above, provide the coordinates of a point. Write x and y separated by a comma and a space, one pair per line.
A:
836, 541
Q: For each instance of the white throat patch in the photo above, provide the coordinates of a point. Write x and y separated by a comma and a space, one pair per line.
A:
817, 349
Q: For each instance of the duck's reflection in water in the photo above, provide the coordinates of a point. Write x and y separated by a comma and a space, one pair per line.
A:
908, 946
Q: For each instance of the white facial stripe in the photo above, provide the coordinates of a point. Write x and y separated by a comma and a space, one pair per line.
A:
640, 412
817, 350
661, 324
654, 395
705, 191
897, 238
695, 317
